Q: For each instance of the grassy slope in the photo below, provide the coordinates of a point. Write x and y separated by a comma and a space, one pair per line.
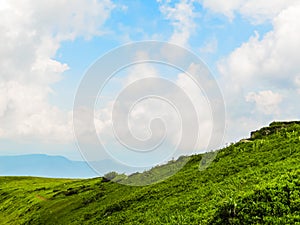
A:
251, 182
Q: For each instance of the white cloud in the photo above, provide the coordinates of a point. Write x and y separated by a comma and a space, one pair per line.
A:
210, 47
240, 127
181, 16
297, 82
260, 11
144, 111
266, 102
256, 10
273, 60
140, 70
31, 34
270, 62
225, 7
202, 106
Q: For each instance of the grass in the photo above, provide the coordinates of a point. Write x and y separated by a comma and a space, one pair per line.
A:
250, 182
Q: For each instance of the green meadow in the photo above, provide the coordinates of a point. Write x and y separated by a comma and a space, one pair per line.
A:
254, 181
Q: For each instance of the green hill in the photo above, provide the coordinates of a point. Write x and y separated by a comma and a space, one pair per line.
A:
254, 181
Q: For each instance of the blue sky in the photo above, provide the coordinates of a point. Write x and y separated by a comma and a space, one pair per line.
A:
251, 48
138, 21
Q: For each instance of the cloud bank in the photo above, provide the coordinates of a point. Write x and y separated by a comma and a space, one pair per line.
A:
260, 79
31, 33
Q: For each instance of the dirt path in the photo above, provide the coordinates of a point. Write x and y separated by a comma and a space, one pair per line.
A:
41, 198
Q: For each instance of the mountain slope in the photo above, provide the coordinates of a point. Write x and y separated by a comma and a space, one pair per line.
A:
255, 181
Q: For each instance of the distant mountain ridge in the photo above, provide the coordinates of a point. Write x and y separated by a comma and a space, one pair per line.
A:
41, 165
44, 166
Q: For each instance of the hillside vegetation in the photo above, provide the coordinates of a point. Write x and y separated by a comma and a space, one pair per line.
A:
254, 181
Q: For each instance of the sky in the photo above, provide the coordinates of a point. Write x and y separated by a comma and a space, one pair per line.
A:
251, 47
